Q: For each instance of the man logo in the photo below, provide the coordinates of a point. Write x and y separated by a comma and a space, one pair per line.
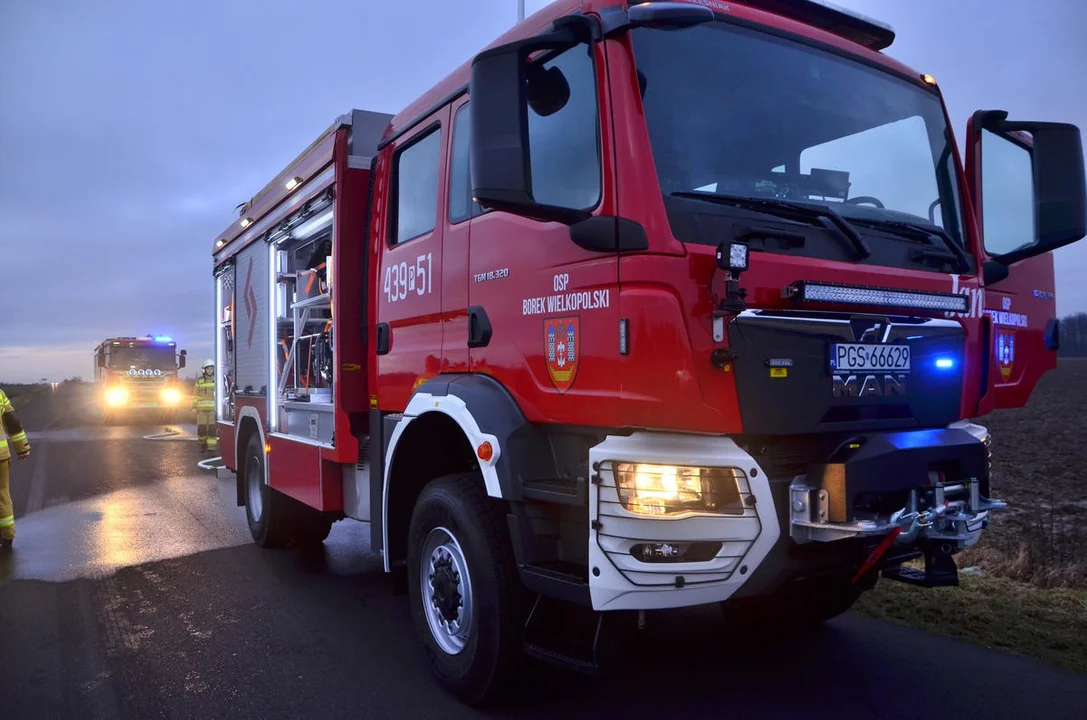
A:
854, 386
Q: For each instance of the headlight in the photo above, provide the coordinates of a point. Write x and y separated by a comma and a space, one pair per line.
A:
670, 489
116, 396
171, 396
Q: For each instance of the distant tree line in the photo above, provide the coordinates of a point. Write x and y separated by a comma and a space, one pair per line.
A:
1074, 335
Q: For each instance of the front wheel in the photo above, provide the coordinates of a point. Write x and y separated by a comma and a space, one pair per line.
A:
463, 586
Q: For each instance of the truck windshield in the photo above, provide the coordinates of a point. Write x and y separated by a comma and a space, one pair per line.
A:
152, 358
740, 113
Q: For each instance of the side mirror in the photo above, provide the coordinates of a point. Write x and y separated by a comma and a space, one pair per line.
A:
181, 360
1029, 192
504, 86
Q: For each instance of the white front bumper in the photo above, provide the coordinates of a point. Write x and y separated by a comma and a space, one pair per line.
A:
620, 581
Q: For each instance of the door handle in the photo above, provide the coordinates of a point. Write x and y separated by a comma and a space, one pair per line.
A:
479, 327
383, 338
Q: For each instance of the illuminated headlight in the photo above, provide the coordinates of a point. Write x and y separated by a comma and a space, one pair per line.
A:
671, 490
116, 396
816, 292
171, 396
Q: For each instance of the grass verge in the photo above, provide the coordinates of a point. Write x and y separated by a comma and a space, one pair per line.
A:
997, 613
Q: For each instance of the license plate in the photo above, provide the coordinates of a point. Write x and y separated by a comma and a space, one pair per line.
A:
862, 357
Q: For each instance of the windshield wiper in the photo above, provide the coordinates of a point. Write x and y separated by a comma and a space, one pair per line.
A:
928, 233
826, 217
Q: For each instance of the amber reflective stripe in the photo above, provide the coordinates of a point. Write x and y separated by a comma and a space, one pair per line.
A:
7, 521
3, 443
19, 437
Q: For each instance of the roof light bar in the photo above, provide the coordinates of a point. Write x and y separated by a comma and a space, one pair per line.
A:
806, 291
849, 24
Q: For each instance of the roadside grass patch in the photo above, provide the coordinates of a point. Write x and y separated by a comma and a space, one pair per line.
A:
995, 612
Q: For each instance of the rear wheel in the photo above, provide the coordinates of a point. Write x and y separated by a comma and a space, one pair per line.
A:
269, 523
463, 586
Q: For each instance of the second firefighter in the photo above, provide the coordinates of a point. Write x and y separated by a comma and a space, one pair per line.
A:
203, 401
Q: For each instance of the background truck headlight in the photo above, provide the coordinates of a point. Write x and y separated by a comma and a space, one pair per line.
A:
116, 396
171, 396
673, 489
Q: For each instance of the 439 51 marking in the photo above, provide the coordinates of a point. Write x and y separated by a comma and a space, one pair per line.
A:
401, 279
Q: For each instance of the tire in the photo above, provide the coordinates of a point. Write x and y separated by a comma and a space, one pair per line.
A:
269, 523
457, 528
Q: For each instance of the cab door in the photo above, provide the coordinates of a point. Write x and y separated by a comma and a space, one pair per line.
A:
1021, 307
409, 292
543, 313
1022, 312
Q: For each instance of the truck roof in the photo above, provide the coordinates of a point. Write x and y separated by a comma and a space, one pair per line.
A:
767, 12
816, 20
156, 339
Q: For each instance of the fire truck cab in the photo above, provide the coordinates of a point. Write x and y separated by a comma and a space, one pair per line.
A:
138, 376
647, 306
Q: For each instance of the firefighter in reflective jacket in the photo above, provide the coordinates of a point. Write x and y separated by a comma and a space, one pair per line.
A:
13, 429
203, 401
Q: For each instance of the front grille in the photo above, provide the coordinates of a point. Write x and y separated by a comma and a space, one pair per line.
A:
809, 397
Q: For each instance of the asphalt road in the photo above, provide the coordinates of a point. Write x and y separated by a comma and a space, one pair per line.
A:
134, 591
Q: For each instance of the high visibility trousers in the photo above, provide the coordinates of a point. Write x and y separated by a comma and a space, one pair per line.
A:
205, 427
7, 509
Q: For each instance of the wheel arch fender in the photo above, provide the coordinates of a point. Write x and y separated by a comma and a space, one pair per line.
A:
248, 424
485, 412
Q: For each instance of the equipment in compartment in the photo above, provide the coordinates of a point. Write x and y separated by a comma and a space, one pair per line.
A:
304, 347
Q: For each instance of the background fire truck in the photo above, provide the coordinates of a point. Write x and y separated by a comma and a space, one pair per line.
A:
647, 307
138, 377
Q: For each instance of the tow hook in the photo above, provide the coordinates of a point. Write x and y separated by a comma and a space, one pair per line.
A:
918, 521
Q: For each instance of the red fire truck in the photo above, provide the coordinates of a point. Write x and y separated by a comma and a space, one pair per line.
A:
138, 376
648, 306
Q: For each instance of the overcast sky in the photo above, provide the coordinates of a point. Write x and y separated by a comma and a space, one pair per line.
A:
129, 130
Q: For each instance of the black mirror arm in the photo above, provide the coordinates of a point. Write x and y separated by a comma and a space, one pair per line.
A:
662, 15
566, 32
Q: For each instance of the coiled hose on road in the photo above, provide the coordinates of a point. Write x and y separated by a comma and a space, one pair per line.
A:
171, 435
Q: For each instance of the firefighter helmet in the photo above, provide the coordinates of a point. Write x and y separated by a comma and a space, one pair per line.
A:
208, 363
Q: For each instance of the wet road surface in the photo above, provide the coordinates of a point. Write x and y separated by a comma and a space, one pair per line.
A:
134, 591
